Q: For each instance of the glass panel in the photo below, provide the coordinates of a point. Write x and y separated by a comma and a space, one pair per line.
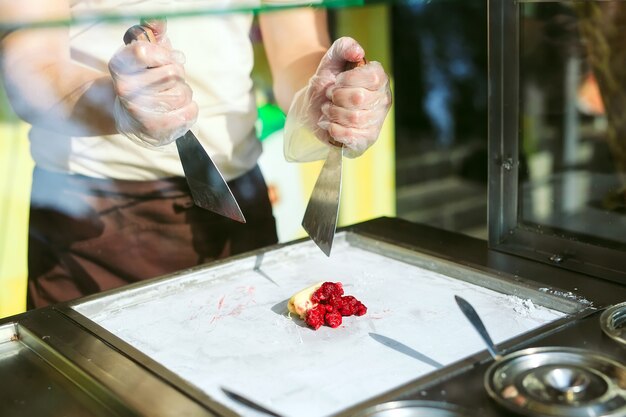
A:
572, 121
439, 51
133, 10
58, 79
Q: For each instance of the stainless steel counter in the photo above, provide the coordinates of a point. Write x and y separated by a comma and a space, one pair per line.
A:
54, 361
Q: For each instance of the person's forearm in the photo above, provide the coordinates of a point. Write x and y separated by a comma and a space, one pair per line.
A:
291, 79
83, 106
295, 41
47, 89
63, 97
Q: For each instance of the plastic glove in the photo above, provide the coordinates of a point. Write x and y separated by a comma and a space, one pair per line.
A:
154, 104
347, 106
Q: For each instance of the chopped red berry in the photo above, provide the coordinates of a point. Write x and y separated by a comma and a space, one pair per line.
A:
332, 305
333, 319
361, 309
315, 316
327, 291
347, 306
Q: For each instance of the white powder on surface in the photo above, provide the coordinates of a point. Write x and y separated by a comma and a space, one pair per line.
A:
228, 326
522, 306
566, 294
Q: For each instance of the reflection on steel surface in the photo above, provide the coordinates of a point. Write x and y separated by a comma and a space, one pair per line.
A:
415, 408
613, 322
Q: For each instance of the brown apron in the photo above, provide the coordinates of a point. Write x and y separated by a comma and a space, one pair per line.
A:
88, 235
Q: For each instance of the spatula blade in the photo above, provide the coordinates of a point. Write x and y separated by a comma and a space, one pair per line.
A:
320, 216
208, 188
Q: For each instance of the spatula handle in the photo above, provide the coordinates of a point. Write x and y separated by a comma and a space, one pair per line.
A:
352, 65
139, 33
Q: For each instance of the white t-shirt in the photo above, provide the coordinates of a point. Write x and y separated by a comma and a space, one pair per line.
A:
219, 61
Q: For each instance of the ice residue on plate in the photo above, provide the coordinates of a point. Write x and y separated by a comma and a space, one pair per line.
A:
522, 306
566, 294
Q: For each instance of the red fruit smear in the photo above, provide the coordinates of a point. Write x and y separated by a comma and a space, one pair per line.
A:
332, 305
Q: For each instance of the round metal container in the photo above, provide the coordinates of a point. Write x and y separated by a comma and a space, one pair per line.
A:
559, 382
414, 409
613, 322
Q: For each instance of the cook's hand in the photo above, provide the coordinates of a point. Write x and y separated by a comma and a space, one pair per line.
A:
347, 106
154, 103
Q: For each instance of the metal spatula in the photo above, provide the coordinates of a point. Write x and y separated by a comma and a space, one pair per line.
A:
477, 323
208, 187
248, 402
320, 216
